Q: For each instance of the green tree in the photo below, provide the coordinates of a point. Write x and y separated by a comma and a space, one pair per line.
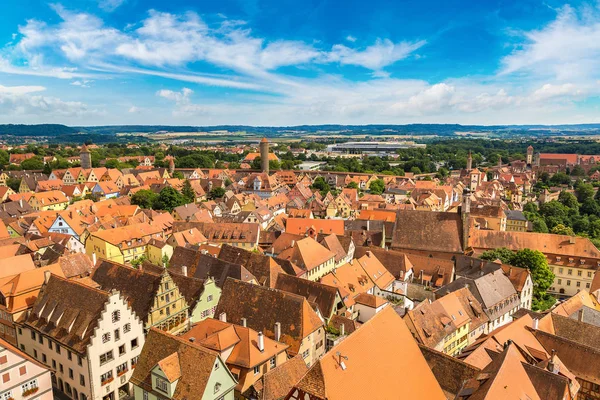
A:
14, 184
216, 193
178, 175
561, 229
321, 185
112, 163
539, 225
377, 186
188, 192
568, 199
578, 171
32, 163
352, 185
560, 178
584, 191
541, 274
144, 198
168, 199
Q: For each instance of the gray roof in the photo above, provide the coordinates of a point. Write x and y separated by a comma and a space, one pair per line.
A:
492, 290
515, 215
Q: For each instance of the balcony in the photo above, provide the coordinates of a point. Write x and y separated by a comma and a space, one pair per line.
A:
31, 391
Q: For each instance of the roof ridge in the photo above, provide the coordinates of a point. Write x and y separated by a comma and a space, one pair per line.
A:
186, 342
81, 284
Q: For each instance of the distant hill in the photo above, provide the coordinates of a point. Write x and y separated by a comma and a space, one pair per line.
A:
53, 130
36, 130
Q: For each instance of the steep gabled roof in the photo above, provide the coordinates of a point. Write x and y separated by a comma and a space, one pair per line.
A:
193, 363
263, 307
429, 231
68, 312
372, 356
322, 295
139, 287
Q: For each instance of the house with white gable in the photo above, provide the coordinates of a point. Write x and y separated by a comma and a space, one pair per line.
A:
89, 338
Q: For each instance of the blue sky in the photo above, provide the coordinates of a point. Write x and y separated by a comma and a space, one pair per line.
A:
283, 62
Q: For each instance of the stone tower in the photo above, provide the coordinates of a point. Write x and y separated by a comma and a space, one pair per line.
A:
86, 157
171, 167
469, 161
264, 155
530, 155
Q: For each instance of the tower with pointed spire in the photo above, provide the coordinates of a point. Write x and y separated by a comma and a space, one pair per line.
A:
85, 157
171, 167
264, 155
469, 161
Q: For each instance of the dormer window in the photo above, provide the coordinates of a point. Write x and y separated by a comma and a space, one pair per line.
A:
162, 385
558, 258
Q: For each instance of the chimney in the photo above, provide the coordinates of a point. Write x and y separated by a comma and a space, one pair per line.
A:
535, 323
21, 202
342, 329
277, 331
47, 275
192, 339
94, 259
368, 253
507, 343
368, 224
244, 322
223, 317
261, 342
293, 243
184, 270
552, 365
580, 315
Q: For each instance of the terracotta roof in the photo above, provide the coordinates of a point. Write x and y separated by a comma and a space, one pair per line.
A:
307, 253
195, 364
300, 226
382, 278
370, 300
373, 354
451, 374
579, 359
68, 312
219, 336
428, 231
242, 300
545, 242
324, 296
202, 266
264, 268
276, 384
138, 286
76, 264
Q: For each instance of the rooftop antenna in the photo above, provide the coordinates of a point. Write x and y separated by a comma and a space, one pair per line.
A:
340, 357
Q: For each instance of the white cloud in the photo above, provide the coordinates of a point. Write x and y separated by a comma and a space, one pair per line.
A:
549, 91
134, 110
110, 5
20, 100
351, 38
374, 57
85, 83
20, 90
567, 48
